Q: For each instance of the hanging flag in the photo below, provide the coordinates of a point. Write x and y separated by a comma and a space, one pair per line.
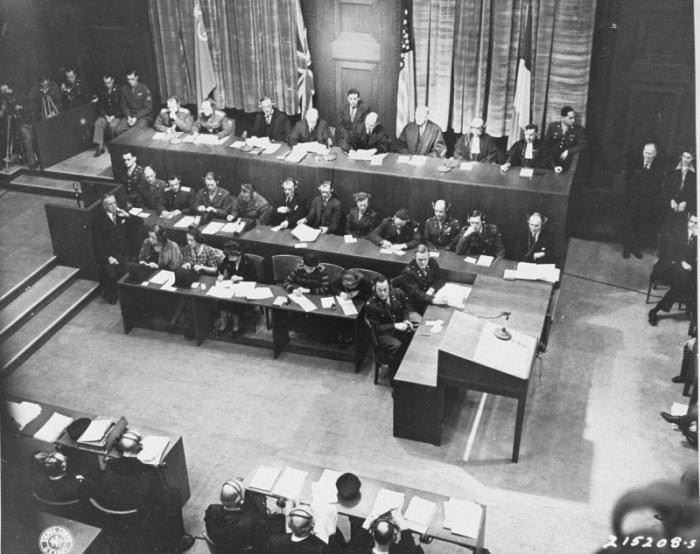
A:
406, 94
305, 81
521, 103
203, 67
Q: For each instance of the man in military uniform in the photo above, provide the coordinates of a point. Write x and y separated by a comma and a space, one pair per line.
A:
73, 92
253, 208
565, 138
109, 113
43, 101
212, 121
421, 279
136, 104
150, 191
132, 177
174, 118
478, 237
177, 199
440, 230
398, 232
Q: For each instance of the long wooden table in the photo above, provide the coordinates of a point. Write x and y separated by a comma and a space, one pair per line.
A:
505, 197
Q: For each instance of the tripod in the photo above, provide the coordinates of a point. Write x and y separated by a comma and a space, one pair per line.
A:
13, 146
48, 107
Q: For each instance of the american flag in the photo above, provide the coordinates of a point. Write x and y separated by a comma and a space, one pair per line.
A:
406, 94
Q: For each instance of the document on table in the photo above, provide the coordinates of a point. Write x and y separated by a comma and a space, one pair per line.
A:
678, 409
347, 305
419, 514
462, 517
537, 272
53, 428
527, 172
304, 233
272, 148
485, 261
260, 293
280, 301
290, 483
211, 140
312, 146
163, 277
418, 160
135, 211
295, 156
349, 239
233, 227
264, 478
325, 488
392, 251
513, 356
23, 412
387, 500
222, 289
185, 221
153, 448
167, 136
259, 142
455, 294
303, 302
212, 228
362, 155
466, 166
237, 144
96, 431
377, 159
404, 159
243, 288
327, 302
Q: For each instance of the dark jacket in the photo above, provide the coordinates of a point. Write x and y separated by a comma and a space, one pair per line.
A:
415, 282
361, 292
109, 239
438, 235
360, 227
74, 95
222, 201
283, 544
182, 200
386, 230
150, 197
257, 210
360, 140
382, 316
137, 102
329, 216
488, 152
109, 103
183, 120
301, 133
643, 186
69, 488
487, 241
233, 531
317, 281
132, 181
245, 269
675, 188
127, 484
429, 143
298, 208
278, 129
362, 543
345, 126
541, 156
573, 140
215, 124
544, 244
169, 257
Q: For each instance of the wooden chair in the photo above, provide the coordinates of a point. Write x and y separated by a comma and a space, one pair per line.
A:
334, 272
282, 265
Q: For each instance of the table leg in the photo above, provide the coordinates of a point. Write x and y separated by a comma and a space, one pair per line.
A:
126, 304
202, 319
280, 330
520, 416
361, 342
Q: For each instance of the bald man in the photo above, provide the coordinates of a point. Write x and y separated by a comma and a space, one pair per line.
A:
476, 145
311, 129
150, 191
370, 136
422, 136
440, 230
382, 534
302, 539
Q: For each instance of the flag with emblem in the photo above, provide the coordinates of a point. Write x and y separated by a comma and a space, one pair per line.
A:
204, 67
305, 81
406, 94
522, 104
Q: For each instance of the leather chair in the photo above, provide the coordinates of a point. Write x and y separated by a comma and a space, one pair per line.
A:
282, 265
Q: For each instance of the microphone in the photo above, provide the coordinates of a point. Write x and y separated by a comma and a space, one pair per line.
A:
503, 333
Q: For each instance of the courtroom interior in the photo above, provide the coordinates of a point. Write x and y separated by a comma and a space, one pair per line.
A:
348, 276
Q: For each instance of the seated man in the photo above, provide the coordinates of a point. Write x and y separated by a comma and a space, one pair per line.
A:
388, 314
253, 208
311, 129
212, 199
291, 208
234, 526
301, 539
477, 146
370, 136
158, 251
310, 277
528, 152
59, 491
351, 116
440, 230
73, 92
131, 178
422, 136
477, 238
325, 212
565, 138
540, 242
681, 274
111, 245
109, 113
361, 220
137, 104
212, 121
399, 232
174, 118
382, 534
271, 122
150, 191
421, 279
177, 199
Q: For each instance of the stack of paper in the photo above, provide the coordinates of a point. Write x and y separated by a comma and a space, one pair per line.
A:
165, 136
483, 260
313, 146
363, 155
53, 428
295, 155
392, 251
435, 326
272, 148
418, 160
327, 302
537, 272
264, 478
304, 233
222, 289
23, 412
212, 228
259, 142
386, 501
260, 293
455, 294
243, 288
135, 211
185, 221
462, 517
303, 302
466, 166
237, 144
419, 514
153, 448
163, 277
527, 172
347, 305
349, 239
290, 483
96, 433
404, 159
211, 140
377, 159
233, 227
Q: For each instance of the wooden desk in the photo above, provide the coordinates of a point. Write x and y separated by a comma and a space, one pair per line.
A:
424, 376
505, 197
360, 509
24, 535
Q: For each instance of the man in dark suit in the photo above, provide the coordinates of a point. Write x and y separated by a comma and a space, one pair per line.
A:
60, 492
311, 129
382, 534
73, 92
477, 146
325, 211
421, 136
528, 152
399, 232
643, 178
351, 116
370, 136
291, 208
539, 248
111, 245
565, 138
302, 539
177, 199
271, 122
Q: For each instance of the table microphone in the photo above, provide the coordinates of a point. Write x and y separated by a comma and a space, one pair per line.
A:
502, 333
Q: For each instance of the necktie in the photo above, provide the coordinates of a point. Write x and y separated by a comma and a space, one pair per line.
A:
353, 111
268, 119
646, 166
311, 129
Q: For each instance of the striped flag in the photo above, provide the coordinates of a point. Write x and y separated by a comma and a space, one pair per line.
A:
406, 94
305, 81
522, 105
205, 77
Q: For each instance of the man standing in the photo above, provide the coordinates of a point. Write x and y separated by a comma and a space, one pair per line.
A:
109, 113
422, 136
136, 104
174, 118
399, 232
271, 122
325, 212
132, 178
351, 116
111, 245
478, 237
73, 93
643, 178
565, 138
439, 231
528, 152
43, 102
370, 136
476, 146
311, 129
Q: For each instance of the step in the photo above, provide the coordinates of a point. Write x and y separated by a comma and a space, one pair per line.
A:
26, 305
38, 184
25, 282
28, 338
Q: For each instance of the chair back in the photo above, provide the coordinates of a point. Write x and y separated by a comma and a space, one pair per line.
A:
282, 265
368, 274
259, 265
334, 272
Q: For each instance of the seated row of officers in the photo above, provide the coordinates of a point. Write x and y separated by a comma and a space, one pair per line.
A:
141, 514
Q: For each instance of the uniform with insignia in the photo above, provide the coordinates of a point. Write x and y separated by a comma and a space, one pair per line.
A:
439, 234
74, 95
487, 241
215, 124
136, 102
558, 140
183, 120
108, 105
387, 230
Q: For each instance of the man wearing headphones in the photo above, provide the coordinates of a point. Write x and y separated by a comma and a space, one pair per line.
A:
291, 208
271, 122
212, 199
212, 121
311, 129
325, 211
539, 241
302, 539
440, 230
150, 191
253, 208
477, 238
383, 534
55, 487
398, 232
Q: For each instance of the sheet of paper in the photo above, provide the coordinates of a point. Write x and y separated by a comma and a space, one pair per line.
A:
537, 272
462, 517
259, 142
295, 156
527, 172
264, 478
513, 356
168, 286
404, 159
434, 253
23, 412
419, 514
326, 484
211, 140
349, 239
377, 159
232, 227
53, 428
260, 293
187, 139
485, 261
280, 301
348, 306
160, 136
272, 148
212, 228
221, 291
243, 288
418, 160
304, 233
363, 155
97, 430
509, 274
678, 409
327, 302
456, 294
303, 302
467, 166
312, 146
470, 260
185, 221
237, 144
135, 211
276, 228
395, 251
163, 277
153, 448
301, 245
145, 215
387, 500
290, 483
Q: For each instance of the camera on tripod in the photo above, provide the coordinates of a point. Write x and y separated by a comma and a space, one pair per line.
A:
10, 117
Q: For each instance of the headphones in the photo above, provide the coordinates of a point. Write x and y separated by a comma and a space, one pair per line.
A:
54, 463
543, 219
211, 175
448, 205
476, 213
248, 187
293, 181
358, 196
393, 528
236, 485
304, 512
